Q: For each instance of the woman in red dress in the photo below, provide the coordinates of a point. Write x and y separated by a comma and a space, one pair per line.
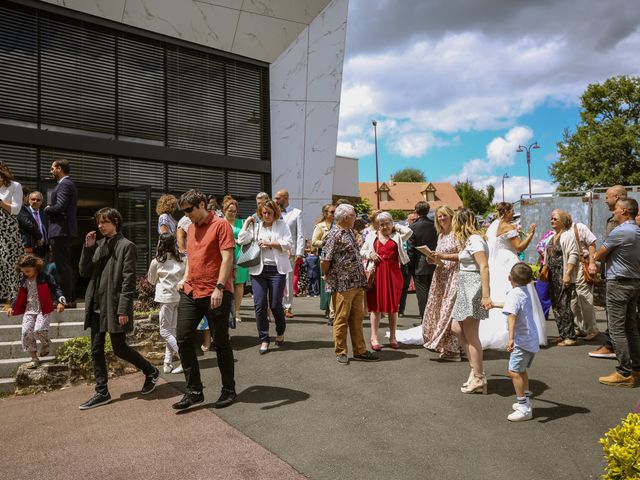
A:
385, 251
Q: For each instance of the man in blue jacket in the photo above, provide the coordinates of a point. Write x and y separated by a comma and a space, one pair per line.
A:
63, 226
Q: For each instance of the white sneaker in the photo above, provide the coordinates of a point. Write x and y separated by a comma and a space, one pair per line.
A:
167, 368
521, 414
515, 405
178, 369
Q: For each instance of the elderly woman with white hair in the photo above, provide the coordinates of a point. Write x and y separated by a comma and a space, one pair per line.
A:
385, 253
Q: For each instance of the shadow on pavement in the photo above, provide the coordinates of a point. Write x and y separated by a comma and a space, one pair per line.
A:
271, 394
503, 386
389, 355
161, 392
559, 410
245, 342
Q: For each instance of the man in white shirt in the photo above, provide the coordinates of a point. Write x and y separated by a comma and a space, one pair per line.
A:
293, 218
582, 297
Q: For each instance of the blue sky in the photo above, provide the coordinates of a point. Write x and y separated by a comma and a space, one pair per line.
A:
455, 87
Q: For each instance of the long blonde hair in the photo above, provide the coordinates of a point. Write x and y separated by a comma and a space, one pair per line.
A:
445, 209
465, 224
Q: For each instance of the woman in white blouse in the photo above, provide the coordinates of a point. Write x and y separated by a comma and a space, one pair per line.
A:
473, 296
10, 241
268, 278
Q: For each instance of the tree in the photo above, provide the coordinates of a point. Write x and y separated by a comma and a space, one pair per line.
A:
604, 149
363, 207
409, 175
478, 200
398, 214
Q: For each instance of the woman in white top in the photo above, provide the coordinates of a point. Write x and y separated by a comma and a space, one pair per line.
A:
384, 250
165, 272
473, 296
504, 246
10, 241
268, 278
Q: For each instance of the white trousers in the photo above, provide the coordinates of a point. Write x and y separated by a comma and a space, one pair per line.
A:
582, 304
168, 322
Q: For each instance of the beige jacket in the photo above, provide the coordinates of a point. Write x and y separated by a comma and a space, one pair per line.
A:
570, 253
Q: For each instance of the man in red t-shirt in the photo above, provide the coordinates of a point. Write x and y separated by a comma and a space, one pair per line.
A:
206, 291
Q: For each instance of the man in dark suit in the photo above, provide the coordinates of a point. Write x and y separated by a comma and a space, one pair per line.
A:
35, 209
63, 226
29, 231
424, 233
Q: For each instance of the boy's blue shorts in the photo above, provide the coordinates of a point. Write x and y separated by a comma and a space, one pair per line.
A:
520, 360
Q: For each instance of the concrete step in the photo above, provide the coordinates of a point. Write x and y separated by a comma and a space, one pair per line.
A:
7, 385
13, 349
10, 333
69, 315
9, 366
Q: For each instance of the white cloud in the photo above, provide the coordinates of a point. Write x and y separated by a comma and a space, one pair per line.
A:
502, 150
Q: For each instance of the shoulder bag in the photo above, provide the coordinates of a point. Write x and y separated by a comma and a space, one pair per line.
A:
588, 278
250, 253
370, 271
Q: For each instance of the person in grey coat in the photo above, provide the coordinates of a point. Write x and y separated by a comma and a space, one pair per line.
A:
111, 264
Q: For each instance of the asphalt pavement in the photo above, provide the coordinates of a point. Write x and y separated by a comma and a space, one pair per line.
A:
401, 418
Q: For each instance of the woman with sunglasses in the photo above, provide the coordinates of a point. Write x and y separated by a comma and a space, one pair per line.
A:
268, 278
320, 231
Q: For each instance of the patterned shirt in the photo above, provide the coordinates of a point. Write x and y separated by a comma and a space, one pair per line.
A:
346, 271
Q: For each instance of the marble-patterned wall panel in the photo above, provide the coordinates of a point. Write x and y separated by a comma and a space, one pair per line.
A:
264, 38
302, 11
288, 74
311, 211
321, 134
235, 4
327, 35
110, 9
186, 19
287, 146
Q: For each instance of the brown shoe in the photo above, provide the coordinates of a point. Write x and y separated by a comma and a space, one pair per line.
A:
288, 313
567, 342
580, 333
591, 336
617, 380
603, 352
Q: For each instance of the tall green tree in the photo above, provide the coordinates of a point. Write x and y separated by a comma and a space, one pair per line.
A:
409, 175
363, 207
605, 148
477, 199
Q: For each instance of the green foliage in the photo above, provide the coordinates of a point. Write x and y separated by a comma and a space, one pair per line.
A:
409, 175
605, 148
363, 207
478, 200
398, 214
76, 352
535, 270
621, 447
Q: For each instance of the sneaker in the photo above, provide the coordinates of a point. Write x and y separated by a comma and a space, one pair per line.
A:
603, 352
367, 356
150, 382
342, 359
516, 405
167, 368
521, 414
95, 401
227, 397
618, 380
188, 400
178, 369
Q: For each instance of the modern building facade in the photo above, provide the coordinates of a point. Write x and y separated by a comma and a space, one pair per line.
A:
152, 96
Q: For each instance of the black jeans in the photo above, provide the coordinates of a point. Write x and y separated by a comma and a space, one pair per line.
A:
190, 312
120, 348
423, 284
61, 250
405, 287
624, 324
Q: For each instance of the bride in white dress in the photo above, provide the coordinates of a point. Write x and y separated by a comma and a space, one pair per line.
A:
504, 246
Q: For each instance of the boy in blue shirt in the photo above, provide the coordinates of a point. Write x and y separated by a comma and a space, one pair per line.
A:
523, 339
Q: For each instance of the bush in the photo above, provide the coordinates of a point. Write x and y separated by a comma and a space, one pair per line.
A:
621, 447
76, 352
146, 294
398, 214
535, 269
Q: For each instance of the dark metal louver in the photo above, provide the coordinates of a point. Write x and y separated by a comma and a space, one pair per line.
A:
22, 160
133, 173
85, 167
207, 180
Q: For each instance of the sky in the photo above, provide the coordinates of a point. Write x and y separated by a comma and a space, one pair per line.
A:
457, 85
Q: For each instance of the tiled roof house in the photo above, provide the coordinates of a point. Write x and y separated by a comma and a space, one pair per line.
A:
404, 195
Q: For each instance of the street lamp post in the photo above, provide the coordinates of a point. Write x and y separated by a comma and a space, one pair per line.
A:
522, 148
506, 175
375, 137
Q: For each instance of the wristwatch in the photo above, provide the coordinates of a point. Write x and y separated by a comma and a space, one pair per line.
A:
220, 286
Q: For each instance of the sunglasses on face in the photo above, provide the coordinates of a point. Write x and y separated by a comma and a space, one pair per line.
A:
188, 209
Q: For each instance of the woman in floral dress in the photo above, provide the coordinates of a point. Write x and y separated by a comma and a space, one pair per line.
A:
436, 324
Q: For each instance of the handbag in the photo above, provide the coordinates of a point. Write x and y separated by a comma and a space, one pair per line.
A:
544, 273
250, 253
588, 278
370, 272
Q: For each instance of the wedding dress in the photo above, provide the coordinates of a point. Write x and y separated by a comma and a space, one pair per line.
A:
494, 331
